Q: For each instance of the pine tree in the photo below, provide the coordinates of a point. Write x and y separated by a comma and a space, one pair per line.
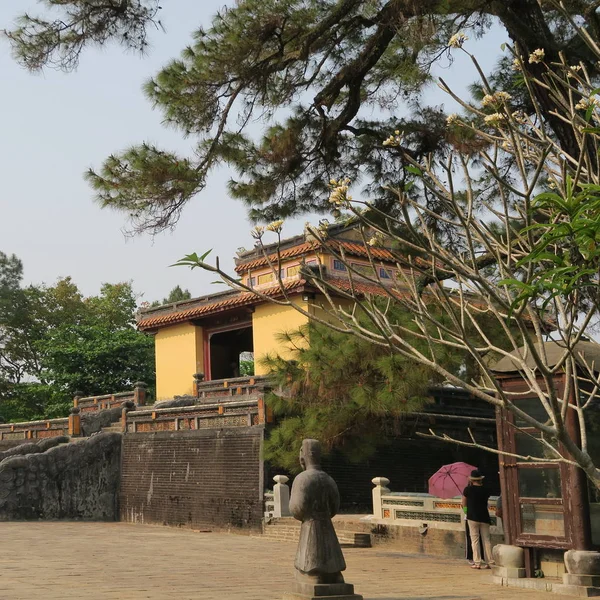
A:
326, 79
349, 393
175, 295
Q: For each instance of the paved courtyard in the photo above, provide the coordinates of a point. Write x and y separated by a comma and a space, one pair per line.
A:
99, 561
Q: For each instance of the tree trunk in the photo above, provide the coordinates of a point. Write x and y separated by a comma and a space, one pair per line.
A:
527, 26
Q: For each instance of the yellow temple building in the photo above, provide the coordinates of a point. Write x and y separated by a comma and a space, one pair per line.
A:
205, 336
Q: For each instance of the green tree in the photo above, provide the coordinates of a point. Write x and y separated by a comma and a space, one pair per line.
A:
18, 323
175, 295
97, 359
525, 215
97, 350
325, 79
349, 393
54, 341
58, 40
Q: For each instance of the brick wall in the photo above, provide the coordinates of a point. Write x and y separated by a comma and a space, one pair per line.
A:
206, 479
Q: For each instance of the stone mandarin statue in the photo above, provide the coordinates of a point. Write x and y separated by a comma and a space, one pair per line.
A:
319, 560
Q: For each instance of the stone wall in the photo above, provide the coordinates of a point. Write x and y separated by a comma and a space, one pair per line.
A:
8, 444
70, 481
397, 538
34, 447
418, 540
207, 479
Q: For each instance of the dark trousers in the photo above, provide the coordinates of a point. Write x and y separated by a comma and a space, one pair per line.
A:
468, 547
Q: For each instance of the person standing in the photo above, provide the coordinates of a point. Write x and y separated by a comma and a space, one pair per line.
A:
475, 500
468, 546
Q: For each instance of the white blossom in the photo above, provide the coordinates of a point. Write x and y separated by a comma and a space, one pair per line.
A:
257, 232
377, 239
586, 103
495, 99
394, 140
519, 116
339, 192
452, 119
495, 119
457, 40
275, 226
537, 56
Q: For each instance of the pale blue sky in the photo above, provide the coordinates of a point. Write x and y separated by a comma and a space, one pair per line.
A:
56, 125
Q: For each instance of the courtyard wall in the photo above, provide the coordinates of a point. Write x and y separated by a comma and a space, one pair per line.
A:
203, 479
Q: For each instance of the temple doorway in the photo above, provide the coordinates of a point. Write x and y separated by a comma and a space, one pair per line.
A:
229, 352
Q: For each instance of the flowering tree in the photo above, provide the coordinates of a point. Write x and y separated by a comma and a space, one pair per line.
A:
515, 239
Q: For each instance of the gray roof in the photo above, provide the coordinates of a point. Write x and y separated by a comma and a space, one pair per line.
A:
585, 352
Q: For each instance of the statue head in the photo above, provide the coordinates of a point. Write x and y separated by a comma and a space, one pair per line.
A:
310, 454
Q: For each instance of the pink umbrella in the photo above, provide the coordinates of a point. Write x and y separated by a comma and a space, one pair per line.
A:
450, 480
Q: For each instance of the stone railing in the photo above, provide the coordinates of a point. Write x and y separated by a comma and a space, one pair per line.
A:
241, 413
229, 389
423, 510
269, 500
34, 430
94, 403
277, 502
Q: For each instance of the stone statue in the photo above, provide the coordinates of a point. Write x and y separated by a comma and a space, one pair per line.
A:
314, 501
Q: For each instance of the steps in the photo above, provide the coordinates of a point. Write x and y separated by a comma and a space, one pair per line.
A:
288, 529
114, 428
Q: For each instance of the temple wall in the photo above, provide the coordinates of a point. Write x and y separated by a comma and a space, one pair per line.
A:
268, 322
179, 354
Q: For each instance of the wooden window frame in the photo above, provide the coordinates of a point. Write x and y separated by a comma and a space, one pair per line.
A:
573, 485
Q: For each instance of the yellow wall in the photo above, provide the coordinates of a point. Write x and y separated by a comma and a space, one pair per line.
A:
179, 354
321, 309
269, 320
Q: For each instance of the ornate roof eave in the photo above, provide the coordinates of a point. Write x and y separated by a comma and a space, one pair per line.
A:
337, 245
213, 305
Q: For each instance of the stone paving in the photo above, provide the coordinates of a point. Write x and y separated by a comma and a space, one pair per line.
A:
110, 561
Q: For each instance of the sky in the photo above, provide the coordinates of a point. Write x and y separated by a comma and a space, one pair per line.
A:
55, 125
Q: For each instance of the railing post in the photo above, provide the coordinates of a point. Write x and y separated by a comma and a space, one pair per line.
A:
198, 378
261, 411
379, 490
281, 496
124, 412
76, 397
139, 393
75, 422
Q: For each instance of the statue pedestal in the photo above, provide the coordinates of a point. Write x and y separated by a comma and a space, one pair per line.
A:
583, 573
322, 591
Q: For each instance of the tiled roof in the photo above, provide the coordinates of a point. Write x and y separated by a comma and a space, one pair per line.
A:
298, 250
353, 248
232, 300
360, 250
209, 307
